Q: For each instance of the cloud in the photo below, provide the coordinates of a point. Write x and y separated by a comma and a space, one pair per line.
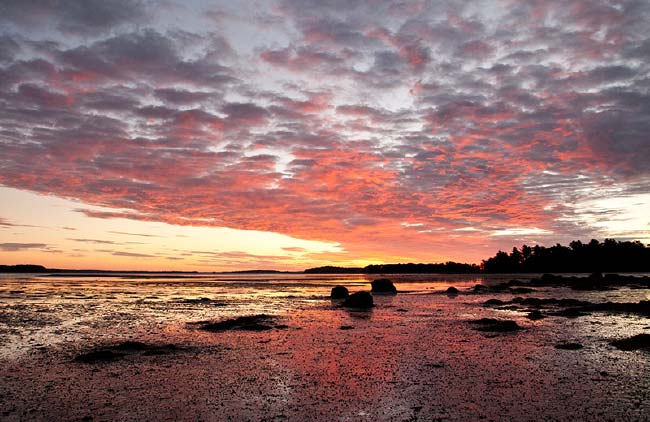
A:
294, 249
180, 96
8, 48
143, 54
97, 241
244, 113
342, 123
82, 18
134, 234
132, 254
14, 247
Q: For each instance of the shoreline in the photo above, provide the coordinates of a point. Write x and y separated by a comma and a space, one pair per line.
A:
412, 357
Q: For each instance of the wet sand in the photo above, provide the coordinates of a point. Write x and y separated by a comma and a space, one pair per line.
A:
415, 356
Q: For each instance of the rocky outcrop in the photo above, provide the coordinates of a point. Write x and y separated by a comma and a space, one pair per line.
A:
360, 300
339, 292
383, 285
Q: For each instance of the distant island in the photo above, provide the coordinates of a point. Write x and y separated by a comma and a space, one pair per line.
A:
607, 256
23, 268
31, 268
410, 268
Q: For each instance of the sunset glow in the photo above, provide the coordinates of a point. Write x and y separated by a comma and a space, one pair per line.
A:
289, 134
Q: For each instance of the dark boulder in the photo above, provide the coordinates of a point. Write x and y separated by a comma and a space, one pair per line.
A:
535, 315
339, 292
638, 342
452, 291
570, 313
113, 352
568, 346
596, 276
260, 322
132, 346
98, 356
521, 290
383, 285
496, 325
362, 300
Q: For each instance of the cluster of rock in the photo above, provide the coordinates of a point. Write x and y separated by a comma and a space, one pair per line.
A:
595, 281
362, 300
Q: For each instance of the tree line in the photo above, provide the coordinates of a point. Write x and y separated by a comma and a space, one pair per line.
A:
607, 256
410, 268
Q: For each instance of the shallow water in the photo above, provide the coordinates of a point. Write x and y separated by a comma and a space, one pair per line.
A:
42, 310
413, 356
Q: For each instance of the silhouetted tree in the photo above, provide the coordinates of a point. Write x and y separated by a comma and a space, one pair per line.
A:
610, 256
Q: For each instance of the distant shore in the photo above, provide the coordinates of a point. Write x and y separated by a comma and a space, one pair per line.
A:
36, 269
609, 256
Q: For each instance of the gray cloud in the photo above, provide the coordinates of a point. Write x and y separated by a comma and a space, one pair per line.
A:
14, 247
89, 17
132, 254
97, 241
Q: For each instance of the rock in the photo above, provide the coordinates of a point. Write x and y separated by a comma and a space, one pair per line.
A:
383, 285
596, 276
361, 300
339, 292
535, 315
260, 322
641, 308
496, 325
501, 287
569, 313
203, 301
637, 342
197, 300
568, 346
452, 291
550, 278
493, 302
127, 348
521, 290
346, 327
131, 346
97, 356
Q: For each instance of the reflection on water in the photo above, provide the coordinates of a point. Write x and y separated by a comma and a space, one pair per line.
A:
41, 310
413, 357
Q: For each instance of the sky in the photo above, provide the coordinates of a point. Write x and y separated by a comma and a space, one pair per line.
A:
286, 134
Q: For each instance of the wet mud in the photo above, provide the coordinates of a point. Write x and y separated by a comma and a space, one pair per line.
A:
102, 358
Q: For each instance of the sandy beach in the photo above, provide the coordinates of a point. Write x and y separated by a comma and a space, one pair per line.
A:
414, 356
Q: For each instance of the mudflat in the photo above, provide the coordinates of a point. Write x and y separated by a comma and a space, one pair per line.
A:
419, 355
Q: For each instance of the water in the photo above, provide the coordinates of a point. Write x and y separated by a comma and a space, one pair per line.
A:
413, 356
38, 310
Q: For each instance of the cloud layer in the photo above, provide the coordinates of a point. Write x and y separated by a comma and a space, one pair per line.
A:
415, 129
